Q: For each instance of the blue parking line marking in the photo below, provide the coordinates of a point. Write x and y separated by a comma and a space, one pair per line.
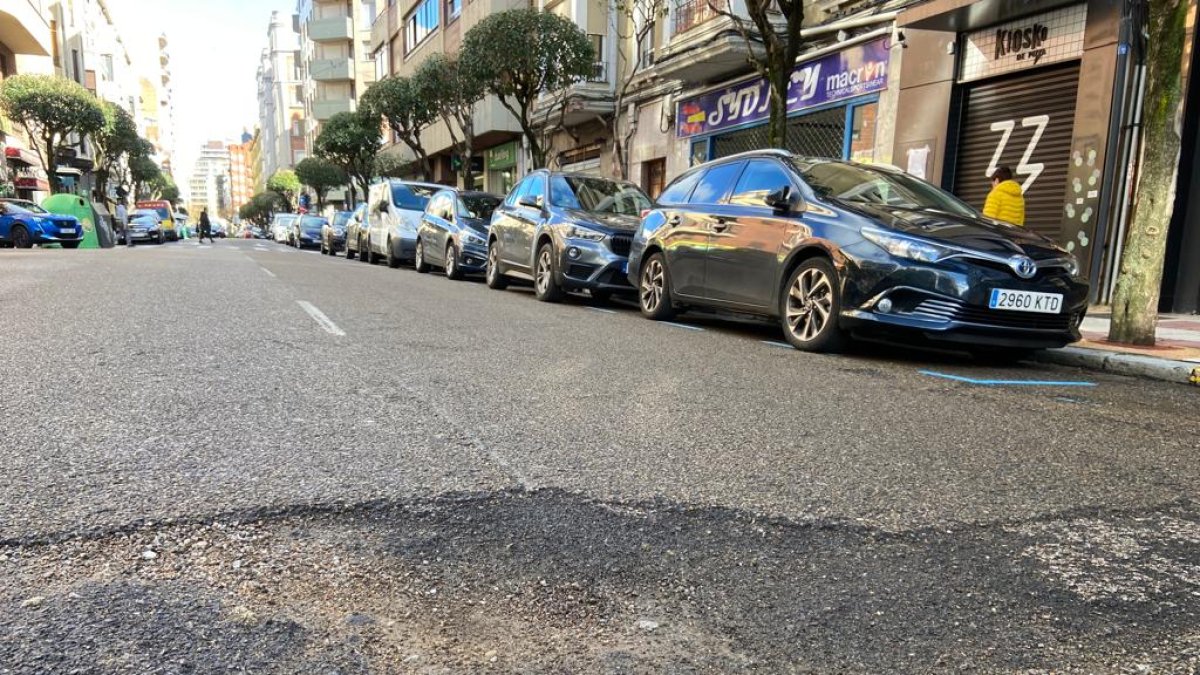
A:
681, 325
777, 343
1007, 383
602, 310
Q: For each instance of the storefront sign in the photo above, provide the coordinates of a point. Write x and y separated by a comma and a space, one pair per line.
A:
502, 156
1033, 41
851, 72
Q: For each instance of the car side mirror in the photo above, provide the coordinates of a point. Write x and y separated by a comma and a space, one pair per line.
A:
785, 200
530, 202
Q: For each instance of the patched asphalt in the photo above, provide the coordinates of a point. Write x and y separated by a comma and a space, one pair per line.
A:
470, 480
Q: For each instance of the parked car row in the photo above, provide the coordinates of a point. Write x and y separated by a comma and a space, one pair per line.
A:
831, 250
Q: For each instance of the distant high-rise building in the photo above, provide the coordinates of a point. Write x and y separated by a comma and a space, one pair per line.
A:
210, 185
335, 57
241, 173
280, 98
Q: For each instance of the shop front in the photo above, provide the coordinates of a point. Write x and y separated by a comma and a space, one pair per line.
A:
501, 164
28, 178
1029, 86
833, 106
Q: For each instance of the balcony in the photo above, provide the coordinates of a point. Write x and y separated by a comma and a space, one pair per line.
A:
581, 102
335, 29
323, 110
702, 46
331, 70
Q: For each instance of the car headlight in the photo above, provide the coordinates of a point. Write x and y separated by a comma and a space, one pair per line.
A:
906, 247
472, 238
1072, 265
581, 232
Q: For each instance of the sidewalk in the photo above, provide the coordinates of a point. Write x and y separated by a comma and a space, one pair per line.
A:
1174, 358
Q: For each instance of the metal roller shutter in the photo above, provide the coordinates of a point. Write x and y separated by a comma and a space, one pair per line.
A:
1021, 122
819, 134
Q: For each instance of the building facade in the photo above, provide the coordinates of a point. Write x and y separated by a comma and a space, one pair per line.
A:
210, 186
281, 98
335, 56
409, 31
26, 46
241, 175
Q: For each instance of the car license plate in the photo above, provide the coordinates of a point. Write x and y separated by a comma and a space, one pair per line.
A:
1026, 301
67, 230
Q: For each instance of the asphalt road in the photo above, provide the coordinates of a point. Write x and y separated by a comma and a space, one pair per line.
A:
243, 458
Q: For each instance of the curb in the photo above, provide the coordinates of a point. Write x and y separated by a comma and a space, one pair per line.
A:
1135, 365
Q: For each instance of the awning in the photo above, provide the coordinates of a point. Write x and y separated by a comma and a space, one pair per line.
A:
966, 15
24, 30
31, 183
21, 155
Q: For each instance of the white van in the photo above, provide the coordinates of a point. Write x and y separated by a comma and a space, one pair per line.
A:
394, 209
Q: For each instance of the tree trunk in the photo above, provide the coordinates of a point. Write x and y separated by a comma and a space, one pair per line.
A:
1135, 302
468, 153
51, 164
781, 74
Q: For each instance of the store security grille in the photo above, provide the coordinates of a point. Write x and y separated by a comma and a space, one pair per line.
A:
819, 134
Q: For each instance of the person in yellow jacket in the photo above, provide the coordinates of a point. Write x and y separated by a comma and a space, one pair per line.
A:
1006, 201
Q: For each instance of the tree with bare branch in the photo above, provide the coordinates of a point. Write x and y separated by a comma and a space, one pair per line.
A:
773, 41
634, 23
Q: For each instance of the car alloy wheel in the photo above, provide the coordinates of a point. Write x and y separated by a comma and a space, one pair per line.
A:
544, 285
811, 306
654, 289
493, 276
452, 270
20, 237
392, 260
419, 263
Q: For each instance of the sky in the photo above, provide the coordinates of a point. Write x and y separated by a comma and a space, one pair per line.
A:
214, 47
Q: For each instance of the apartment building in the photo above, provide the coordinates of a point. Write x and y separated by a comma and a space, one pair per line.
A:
210, 184
26, 46
409, 31
337, 64
164, 118
281, 97
241, 174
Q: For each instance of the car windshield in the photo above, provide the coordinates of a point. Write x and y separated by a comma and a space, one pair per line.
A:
477, 206
311, 223
163, 213
23, 207
145, 220
341, 218
146, 214
597, 195
865, 185
411, 197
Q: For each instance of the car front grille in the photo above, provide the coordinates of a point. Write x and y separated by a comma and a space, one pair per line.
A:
951, 310
621, 243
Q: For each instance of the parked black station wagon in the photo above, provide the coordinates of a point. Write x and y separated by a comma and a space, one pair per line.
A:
565, 232
833, 248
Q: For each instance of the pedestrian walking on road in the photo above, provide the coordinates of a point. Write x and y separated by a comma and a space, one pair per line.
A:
1006, 201
206, 227
123, 222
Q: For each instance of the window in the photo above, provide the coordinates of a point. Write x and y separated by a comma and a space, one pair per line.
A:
518, 191
296, 74
453, 9
368, 11
715, 183
599, 68
382, 63
420, 23
597, 195
411, 197
677, 192
106, 67
761, 178
537, 189
646, 47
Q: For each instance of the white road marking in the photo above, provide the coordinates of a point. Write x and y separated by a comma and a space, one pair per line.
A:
319, 317
682, 325
777, 343
269, 272
602, 310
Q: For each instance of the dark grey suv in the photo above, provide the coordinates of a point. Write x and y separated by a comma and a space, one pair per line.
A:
565, 232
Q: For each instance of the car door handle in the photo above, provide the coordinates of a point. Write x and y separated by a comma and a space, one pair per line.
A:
720, 225
674, 220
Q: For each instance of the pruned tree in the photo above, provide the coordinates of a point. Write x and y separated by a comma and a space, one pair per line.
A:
50, 109
260, 208
634, 23
114, 143
453, 87
163, 187
520, 54
774, 41
350, 141
143, 172
285, 184
406, 109
1135, 300
321, 175
391, 166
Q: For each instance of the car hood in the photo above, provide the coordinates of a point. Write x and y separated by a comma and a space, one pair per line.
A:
980, 234
610, 223
477, 225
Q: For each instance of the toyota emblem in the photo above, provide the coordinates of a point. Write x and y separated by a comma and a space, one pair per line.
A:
1023, 266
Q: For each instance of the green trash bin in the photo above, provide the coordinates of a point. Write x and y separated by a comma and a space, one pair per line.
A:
74, 205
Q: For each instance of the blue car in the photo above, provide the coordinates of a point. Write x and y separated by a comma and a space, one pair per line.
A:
453, 232
23, 224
